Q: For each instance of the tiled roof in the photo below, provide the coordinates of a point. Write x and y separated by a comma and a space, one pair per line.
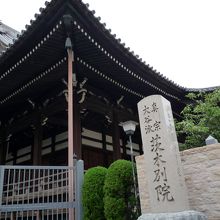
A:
7, 35
207, 89
90, 17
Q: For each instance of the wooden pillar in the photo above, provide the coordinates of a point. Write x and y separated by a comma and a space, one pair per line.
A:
140, 144
3, 147
14, 154
124, 143
116, 136
53, 143
105, 152
77, 139
37, 145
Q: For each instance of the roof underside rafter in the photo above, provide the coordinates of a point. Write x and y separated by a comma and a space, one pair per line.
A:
36, 61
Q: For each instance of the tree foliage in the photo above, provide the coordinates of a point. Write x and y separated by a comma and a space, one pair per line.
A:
93, 193
119, 200
201, 118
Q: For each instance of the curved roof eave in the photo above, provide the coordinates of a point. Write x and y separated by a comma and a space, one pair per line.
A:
207, 89
90, 16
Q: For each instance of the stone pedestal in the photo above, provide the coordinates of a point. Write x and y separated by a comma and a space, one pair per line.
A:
186, 215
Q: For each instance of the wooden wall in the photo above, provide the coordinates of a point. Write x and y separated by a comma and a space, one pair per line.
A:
97, 150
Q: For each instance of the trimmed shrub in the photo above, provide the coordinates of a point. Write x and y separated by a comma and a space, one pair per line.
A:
119, 199
93, 193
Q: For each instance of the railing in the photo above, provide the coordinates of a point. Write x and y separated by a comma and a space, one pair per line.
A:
40, 192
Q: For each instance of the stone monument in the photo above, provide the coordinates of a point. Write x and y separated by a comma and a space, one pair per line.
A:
166, 185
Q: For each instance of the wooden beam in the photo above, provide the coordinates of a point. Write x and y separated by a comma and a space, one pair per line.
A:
94, 104
58, 121
26, 121
91, 103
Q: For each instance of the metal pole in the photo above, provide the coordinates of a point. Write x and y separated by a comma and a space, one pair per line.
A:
79, 184
70, 129
132, 160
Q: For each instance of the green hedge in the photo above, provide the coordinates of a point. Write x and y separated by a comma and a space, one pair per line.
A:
93, 193
119, 199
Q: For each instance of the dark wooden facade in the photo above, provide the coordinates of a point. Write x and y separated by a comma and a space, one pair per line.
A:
110, 82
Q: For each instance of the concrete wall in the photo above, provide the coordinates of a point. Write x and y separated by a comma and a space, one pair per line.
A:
202, 175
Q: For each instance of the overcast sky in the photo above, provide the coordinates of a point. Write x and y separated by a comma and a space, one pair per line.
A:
179, 38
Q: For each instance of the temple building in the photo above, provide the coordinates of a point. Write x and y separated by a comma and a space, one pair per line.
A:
108, 81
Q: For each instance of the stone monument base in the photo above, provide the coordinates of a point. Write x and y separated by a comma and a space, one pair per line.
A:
186, 215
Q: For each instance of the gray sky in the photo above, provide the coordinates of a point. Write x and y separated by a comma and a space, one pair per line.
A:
179, 38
